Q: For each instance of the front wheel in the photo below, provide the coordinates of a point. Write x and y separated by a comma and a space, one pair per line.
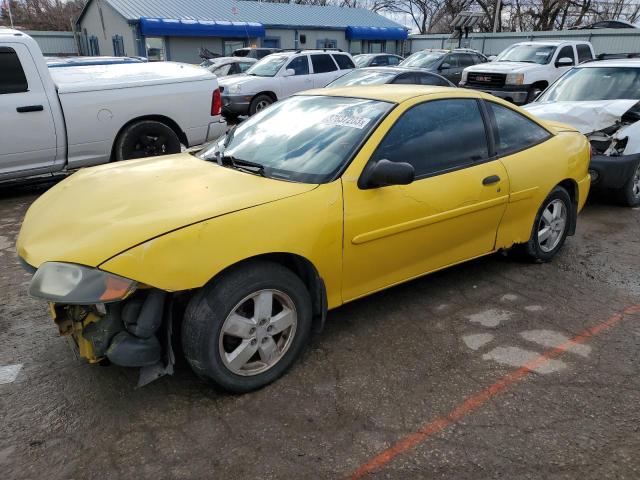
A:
551, 226
259, 103
146, 138
630, 193
248, 326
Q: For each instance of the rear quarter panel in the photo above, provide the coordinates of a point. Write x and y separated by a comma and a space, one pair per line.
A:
95, 118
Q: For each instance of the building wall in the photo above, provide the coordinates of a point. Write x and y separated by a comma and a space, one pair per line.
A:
102, 21
186, 49
604, 41
55, 43
287, 37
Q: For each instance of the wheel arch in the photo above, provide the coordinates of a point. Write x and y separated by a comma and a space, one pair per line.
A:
169, 122
305, 270
268, 93
571, 186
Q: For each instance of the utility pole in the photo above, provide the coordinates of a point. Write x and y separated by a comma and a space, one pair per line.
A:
496, 17
10, 16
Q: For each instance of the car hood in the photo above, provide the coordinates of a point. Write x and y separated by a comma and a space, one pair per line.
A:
238, 79
502, 67
102, 211
586, 117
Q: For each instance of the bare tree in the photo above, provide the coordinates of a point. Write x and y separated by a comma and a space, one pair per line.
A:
42, 14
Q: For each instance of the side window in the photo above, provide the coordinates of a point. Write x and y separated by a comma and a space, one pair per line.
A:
380, 61
452, 60
245, 65
465, 60
12, 79
405, 79
514, 131
322, 63
223, 70
566, 52
436, 137
478, 58
300, 65
584, 52
344, 62
393, 60
426, 79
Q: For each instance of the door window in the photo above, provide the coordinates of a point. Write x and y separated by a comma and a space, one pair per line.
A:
584, 53
452, 59
393, 60
514, 132
436, 137
322, 63
343, 61
244, 65
13, 79
566, 52
300, 65
465, 60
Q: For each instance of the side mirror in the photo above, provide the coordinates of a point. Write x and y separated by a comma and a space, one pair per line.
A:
384, 173
289, 72
564, 62
445, 66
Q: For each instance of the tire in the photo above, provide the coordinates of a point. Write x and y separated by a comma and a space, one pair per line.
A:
629, 194
259, 103
216, 343
543, 248
146, 138
533, 94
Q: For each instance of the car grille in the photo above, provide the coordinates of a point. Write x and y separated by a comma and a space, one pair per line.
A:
485, 80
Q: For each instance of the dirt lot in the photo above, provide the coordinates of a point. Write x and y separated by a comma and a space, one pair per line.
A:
421, 381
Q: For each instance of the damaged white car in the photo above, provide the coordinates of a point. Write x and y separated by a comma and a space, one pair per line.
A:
601, 100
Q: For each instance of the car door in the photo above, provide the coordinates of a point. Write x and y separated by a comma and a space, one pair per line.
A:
27, 129
566, 51
301, 80
448, 214
325, 69
450, 69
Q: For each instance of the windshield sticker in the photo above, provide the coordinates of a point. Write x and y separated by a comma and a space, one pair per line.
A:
346, 121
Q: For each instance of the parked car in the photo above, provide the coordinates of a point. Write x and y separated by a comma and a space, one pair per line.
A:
257, 53
376, 60
321, 199
523, 70
605, 24
280, 75
225, 66
395, 75
448, 63
601, 99
56, 119
57, 62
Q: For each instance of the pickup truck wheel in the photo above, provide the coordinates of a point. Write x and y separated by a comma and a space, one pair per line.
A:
259, 103
533, 94
147, 138
551, 226
630, 193
246, 328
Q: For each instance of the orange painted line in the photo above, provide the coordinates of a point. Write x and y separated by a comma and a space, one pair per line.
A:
479, 399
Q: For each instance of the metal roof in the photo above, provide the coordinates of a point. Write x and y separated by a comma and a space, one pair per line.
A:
267, 13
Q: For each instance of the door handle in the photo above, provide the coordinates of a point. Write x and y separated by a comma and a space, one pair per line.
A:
30, 108
491, 180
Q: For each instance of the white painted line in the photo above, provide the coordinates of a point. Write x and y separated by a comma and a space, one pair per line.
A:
517, 357
490, 318
549, 338
8, 373
474, 342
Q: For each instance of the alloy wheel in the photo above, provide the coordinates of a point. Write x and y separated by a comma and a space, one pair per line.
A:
552, 225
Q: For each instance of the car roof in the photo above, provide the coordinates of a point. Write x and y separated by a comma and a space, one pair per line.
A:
614, 62
390, 92
553, 43
395, 69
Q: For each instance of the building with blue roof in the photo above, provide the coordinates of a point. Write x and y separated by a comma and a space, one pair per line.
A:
176, 30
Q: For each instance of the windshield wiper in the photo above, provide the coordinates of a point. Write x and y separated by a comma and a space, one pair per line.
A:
244, 165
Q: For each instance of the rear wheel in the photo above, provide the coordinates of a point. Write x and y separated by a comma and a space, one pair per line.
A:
630, 193
259, 103
146, 138
247, 328
551, 226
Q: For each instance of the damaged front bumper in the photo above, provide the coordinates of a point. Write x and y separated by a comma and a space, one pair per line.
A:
135, 332
612, 171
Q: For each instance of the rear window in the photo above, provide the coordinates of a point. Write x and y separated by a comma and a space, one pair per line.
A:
322, 63
12, 79
343, 62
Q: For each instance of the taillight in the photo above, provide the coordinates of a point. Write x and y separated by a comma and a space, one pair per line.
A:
216, 103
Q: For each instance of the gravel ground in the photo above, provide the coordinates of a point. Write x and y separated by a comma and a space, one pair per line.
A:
383, 368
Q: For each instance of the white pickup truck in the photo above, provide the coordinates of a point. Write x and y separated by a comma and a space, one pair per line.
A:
523, 70
52, 120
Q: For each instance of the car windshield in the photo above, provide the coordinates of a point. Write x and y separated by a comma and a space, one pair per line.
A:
527, 53
268, 66
302, 138
422, 59
361, 60
595, 83
363, 77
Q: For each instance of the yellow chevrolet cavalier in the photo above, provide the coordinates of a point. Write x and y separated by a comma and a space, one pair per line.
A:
321, 199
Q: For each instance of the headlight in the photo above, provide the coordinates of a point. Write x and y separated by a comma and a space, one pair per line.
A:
514, 79
77, 284
237, 88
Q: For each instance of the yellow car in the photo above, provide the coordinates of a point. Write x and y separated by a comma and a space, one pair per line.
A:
320, 199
